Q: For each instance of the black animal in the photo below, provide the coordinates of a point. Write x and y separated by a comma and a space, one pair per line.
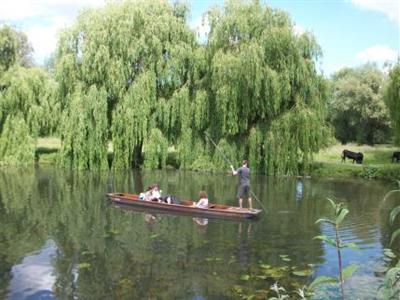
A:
355, 156
396, 156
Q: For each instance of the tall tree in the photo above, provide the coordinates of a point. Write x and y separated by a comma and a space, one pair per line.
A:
267, 98
253, 87
140, 53
8, 48
14, 49
28, 109
357, 110
392, 99
27, 99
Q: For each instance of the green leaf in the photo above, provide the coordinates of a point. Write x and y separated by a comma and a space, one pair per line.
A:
325, 221
389, 253
395, 211
245, 277
352, 246
326, 240
390, 193
348, 271
303, 272
264, 266
394, 235
342, 215
334, 205
84, 266
381, 269
323, 279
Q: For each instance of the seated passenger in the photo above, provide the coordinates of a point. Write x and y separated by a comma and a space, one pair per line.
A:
203, 202
152, 193
156, 194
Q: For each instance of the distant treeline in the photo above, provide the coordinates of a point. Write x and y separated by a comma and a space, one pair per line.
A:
134, 74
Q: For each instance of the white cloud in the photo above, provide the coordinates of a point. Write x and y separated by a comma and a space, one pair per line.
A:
20, 9
378, 54
42, 20
44, 38
391, 8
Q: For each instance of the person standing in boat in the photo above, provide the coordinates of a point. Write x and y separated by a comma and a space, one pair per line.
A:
243, 189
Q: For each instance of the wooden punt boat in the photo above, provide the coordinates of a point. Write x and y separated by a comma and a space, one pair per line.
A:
186, 207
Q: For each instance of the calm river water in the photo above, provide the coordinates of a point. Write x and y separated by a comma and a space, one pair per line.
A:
61, 239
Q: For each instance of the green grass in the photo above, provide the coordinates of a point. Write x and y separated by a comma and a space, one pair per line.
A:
49, 143
327, 163
379, 154
377, 162
46, 150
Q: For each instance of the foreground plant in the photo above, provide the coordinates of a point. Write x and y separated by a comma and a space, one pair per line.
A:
340, 213
392, 278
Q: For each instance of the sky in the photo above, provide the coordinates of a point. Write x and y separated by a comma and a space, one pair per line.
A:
350, 32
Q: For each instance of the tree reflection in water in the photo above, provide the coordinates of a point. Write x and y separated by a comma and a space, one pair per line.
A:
101, 251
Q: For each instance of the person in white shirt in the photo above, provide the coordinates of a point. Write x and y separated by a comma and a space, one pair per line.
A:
203, 202
153, 193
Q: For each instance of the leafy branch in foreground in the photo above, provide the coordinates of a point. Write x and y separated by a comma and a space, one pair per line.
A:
340, 213
392, 278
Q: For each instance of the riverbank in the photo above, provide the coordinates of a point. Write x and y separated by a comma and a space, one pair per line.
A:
327, 163
377, 163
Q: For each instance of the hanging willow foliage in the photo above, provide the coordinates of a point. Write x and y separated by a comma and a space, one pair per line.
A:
253, 87
141, 53
28, 102
155, 150
392, 99
268, 98
131, 121
84, 130
30, 93
16, 145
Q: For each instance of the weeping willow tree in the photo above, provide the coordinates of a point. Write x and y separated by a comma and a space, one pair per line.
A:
28, 109
17, 147
392, 99
141, 54
84, 130
253, 88
266, 95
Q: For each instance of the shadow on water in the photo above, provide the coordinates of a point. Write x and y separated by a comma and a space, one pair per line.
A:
61, 226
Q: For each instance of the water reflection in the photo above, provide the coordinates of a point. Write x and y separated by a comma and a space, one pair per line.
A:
299, 189
61, 225
201, 221
34, 277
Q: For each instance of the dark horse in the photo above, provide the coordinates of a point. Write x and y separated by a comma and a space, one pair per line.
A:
355, 156
396, 156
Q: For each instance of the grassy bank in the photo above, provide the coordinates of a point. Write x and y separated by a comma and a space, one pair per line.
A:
327, 163
46, 150
377, 162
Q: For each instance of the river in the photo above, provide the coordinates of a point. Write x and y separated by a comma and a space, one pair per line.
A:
60, 238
